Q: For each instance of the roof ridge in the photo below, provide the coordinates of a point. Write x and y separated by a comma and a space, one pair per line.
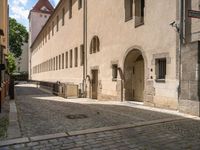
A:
38, 7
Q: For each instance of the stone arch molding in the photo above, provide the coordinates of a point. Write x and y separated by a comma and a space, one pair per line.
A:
122, 63
139, 48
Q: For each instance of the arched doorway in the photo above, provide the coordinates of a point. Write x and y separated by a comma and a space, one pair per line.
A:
134, 76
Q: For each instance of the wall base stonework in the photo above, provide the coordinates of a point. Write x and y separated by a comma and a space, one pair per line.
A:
104, 97
190, 85
190, 107
149, 94
166, 102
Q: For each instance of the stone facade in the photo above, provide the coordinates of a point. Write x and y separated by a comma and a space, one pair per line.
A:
189, 86
109, 38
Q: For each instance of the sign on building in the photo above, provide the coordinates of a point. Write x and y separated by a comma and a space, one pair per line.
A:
194, 14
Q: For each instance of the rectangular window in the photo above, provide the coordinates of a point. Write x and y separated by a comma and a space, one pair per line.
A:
114, 72
71, 57
70, 9
45, 36
63, 60
161, 69
59, 62
128, 5
63, 17
66, 60
56, 62
52, 28
49, 33
49, 64
57, 23
139, 12
80, 4
82, 55
76, 57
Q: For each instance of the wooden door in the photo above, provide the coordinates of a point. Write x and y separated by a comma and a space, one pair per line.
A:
94, 84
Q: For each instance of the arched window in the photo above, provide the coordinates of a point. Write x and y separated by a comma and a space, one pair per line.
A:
94, 45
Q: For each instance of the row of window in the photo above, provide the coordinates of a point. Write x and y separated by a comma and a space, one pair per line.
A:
62, 61
139, 20
50, 31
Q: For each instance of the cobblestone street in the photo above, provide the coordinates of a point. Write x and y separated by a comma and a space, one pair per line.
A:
100, 126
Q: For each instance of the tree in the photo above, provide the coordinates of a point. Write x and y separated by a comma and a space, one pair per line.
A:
11, 66
18, 35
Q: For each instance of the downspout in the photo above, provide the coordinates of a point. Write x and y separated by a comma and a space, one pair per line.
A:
181, 13
85, 46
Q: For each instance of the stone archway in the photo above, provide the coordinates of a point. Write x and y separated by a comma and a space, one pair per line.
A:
134, 76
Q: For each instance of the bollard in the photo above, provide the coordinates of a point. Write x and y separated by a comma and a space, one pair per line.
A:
12, 88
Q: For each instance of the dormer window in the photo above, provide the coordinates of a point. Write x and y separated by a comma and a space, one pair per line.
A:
44, 9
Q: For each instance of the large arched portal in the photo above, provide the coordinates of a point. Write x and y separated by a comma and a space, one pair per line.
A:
134, 76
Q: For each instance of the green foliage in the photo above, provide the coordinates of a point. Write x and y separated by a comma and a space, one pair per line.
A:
18, 35
11, 63
3, 127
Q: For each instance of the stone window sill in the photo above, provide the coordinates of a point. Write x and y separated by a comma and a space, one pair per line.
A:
160, 80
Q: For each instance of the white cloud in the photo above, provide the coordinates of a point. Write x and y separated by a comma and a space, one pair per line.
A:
18, 9
19, 12
20, 2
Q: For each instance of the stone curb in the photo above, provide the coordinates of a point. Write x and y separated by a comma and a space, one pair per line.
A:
13, 128
48, 136
118, 127
87, 131
45, 90
14, 141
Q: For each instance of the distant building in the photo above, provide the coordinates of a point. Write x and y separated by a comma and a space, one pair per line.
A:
22, 61
122, 50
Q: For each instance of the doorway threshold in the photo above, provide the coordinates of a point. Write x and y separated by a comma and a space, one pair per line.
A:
135, 102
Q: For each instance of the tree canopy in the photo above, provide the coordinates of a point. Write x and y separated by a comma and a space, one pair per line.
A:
18, 35
11, 63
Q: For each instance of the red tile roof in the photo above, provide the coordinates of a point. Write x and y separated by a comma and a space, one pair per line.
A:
43, 3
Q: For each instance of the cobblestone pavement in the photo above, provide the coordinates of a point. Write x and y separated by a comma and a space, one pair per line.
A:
41, 113
165, 136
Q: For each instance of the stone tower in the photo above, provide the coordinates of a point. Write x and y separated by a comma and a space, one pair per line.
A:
38, 17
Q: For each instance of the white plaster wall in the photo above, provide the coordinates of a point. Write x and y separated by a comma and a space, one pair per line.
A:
36, 23
68, 37
106, 20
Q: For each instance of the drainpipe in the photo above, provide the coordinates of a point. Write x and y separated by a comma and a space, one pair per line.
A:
181, 13
85, 46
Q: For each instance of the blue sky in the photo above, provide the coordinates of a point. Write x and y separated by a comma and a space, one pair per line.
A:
19, 9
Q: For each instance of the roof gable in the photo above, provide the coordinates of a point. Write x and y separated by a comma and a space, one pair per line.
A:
43, 6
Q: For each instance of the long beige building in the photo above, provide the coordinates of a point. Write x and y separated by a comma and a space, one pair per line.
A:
122, 50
